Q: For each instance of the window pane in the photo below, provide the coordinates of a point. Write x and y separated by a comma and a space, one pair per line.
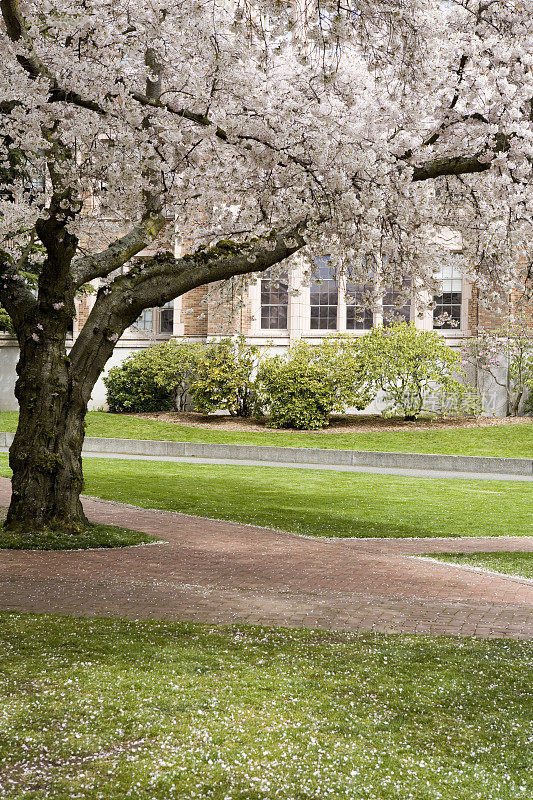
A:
274, 301
146, 321
395, 306
359, 317
447, 311
324, 297
166, 317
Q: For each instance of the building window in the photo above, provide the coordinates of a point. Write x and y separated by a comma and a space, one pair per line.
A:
274, 302
156, 320
447, 311
166, 318
324, 297
359, 316
395, 307
146, 320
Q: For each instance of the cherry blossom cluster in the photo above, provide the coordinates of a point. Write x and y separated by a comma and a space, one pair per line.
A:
374, 123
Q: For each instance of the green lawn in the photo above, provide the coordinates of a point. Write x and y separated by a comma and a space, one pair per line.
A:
510, 563
317, 502
502, 440
92, 536
114, 709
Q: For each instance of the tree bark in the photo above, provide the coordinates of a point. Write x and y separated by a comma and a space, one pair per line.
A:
46, 453
515, 405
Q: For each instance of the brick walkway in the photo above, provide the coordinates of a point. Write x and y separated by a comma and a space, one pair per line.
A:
221, 572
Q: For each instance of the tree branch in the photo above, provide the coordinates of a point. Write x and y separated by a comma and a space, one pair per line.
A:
154, 85
119, 252
461, 165
15, 296
17, 29
456, 165
155, 281
153, 220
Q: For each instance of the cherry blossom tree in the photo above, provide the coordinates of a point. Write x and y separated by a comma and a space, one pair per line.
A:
249, 130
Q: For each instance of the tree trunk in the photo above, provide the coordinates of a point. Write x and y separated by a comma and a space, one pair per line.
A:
53, 389
515, 406
46, 453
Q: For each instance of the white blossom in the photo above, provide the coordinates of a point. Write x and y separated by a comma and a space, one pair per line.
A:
271, 116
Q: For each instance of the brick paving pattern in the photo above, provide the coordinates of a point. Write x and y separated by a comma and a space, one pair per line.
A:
222, 572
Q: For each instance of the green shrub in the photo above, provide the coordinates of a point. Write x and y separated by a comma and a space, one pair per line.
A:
224, 378
410, 366
465, 401
6, 324
303, 387
506, 355
155, 379
341, 362
175, 364
133, 386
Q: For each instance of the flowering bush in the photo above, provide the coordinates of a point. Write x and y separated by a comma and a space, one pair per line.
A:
301, 388
409, 365
224, 378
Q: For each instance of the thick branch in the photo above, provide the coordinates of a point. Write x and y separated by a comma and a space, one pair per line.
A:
17, 31
55, 279
156, 281
119, 252
461, 165
154, 86
15, 296
456, 165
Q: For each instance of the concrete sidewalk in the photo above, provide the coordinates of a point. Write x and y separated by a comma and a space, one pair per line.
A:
413, 473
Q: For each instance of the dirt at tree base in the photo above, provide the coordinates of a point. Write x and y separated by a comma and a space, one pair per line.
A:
356, 423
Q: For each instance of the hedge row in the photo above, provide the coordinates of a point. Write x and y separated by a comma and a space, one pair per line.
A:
302, 387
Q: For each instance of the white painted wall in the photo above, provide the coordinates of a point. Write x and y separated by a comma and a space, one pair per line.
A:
8, 360
9, 353
121, 351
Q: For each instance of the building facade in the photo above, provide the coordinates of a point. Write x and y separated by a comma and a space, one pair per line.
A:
278, 308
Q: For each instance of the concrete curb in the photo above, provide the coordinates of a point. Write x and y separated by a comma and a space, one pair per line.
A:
300, 455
